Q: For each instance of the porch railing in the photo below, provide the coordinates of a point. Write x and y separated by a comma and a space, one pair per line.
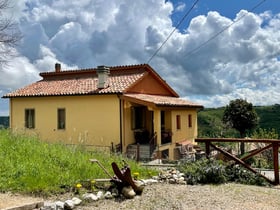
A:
166, 137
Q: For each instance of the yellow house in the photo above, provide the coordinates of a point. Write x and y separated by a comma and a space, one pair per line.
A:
108, 107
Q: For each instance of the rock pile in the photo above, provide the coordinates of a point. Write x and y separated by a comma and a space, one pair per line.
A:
171, 176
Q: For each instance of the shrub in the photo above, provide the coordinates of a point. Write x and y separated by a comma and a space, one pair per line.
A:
211, 171
204, 171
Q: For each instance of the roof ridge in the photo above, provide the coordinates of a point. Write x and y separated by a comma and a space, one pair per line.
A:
94, 69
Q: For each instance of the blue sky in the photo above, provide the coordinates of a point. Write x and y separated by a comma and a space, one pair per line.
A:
241, 62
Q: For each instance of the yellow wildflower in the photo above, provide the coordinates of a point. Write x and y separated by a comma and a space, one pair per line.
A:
78, 185
136, 175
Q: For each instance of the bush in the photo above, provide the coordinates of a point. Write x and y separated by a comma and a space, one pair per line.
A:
204, 171
211, 171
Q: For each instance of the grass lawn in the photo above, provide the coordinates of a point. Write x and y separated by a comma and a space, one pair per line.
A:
29, 165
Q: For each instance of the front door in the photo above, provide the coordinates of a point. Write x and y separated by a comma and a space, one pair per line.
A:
142, 124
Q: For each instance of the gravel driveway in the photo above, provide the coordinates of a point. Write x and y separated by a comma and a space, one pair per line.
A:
189, 197
197, 197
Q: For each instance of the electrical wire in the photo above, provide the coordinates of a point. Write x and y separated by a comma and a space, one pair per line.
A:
220, 32
176, 27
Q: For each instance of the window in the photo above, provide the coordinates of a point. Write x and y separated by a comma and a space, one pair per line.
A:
30, 118
178, 122
190, 120
60, 118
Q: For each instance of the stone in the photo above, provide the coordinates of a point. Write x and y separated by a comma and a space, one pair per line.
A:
59, 205
99, 194
182, 182
172, 181
108, 195
128, 192
90, 197
175, 176
76, 201
181, 179
69, 204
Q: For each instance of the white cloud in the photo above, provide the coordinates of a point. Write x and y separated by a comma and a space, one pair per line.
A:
240, 62
17, 73
240, 57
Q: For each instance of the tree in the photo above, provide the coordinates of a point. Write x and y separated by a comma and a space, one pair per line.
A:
9, 32
240, 115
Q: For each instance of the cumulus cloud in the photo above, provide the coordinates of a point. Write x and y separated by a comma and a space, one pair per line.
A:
243, 56
242, 61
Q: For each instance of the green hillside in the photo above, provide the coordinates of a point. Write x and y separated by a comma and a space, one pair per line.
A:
210, 121
4, 122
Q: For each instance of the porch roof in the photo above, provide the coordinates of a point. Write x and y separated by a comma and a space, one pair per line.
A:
160, 101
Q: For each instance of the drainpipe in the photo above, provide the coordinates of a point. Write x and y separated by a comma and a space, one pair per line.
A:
121, 121
11, 114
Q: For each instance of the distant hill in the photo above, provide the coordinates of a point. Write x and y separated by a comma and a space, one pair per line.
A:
210, 121
4, 122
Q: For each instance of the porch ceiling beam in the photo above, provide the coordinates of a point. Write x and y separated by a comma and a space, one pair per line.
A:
137, 101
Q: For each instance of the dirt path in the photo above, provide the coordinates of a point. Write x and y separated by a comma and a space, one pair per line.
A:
9, 200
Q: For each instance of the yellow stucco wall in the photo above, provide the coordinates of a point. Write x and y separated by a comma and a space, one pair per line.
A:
185, 132
89, 119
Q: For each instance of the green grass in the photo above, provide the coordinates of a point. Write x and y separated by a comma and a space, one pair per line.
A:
29, 165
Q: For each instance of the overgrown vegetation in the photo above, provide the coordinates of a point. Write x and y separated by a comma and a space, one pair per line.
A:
211, 171
31, 166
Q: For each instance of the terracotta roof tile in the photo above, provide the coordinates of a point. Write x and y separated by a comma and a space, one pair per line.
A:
163, 100
85, 82
81, 82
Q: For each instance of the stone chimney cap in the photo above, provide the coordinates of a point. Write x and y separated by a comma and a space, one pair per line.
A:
103, 68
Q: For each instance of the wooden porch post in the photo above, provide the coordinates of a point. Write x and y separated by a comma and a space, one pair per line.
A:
157, 127
275, 162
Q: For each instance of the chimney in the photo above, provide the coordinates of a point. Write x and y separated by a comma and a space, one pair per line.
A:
57, 67
102, 73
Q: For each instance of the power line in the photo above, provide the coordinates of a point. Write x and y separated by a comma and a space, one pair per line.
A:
168, 37
220, 32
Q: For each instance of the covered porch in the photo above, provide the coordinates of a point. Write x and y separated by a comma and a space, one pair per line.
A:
153, 124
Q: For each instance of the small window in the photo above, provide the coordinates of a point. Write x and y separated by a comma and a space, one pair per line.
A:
30, 118
178, 122
190, 120
61, 119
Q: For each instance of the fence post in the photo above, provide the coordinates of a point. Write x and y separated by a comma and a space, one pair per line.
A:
275, 162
